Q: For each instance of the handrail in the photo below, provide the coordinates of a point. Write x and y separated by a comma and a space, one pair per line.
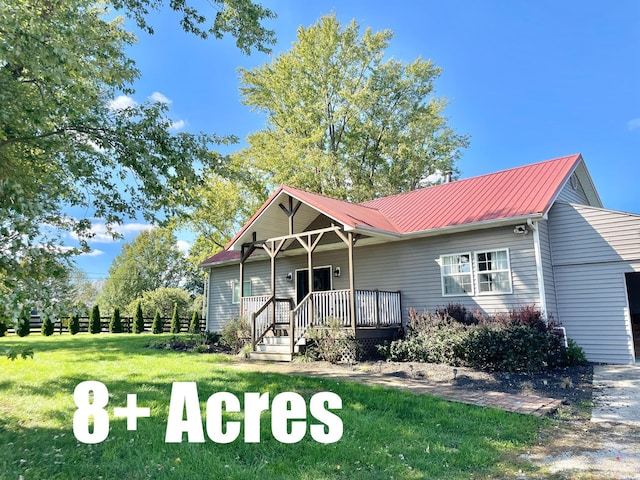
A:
255, 335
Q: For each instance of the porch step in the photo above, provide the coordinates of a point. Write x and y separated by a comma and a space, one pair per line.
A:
271, 356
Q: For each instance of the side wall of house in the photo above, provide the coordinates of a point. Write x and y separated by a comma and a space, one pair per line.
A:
413, 267
592, 249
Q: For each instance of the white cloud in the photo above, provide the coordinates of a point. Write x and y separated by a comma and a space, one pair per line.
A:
183, 246
179, 125
633, 124
93, 253
100, 234
159, 98
121, 102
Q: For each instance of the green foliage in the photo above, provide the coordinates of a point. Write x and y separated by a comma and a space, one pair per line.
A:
194, 326
115, 325
157, 326
163, 299
74, 324
13, 353
573, 355
236, 334
95, 324
148, 263
520, 341
64, 142
138, 320
345, 120
24, 323
47, 326
3, 327
175, 320
333, 341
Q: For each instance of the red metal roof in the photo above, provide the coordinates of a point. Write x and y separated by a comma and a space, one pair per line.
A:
510, 193
517, 192
222, 257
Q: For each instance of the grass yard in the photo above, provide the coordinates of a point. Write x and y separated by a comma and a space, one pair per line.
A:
387, 433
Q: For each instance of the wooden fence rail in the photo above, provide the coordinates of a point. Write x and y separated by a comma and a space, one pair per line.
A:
61, 325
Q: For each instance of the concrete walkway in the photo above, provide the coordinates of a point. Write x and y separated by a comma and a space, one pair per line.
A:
524, 404
616, 394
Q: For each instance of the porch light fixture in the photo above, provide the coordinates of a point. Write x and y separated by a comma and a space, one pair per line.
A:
336, 272
289, 277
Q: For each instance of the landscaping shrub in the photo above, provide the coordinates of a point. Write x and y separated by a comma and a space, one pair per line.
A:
236, 334
430, 338
157, 326
115, 325
138, 320
47, 326
573, 355
23, 327
74, 324
334, 342
95, 326
194, 326
175, 320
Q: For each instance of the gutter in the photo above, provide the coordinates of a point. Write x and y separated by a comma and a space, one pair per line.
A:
539, 270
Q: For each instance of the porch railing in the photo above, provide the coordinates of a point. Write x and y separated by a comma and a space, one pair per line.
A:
373, 309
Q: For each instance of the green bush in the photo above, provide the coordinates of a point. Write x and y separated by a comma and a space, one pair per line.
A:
573, 355
175, 320
194, 326
23, 328
47, 326
115, 325
334, 342
95, 325
138, 320
236, 334
3, 327
158, 325
74, 324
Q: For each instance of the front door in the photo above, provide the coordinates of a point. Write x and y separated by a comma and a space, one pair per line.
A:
321, 281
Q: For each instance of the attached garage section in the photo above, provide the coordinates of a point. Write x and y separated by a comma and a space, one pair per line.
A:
596, 257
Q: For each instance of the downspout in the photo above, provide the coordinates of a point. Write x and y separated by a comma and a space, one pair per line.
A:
539, 270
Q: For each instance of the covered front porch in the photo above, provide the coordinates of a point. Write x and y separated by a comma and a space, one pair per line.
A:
301, 230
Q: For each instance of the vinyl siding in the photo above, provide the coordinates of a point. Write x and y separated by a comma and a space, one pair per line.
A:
547, 269
592, 248
410, 266
569, 194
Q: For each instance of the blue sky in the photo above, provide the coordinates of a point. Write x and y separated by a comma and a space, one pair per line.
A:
528, 81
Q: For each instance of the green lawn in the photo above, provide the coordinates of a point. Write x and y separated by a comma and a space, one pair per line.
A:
387, 433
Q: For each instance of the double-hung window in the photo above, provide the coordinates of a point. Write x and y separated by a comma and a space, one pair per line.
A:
456, 274
236, 290
494, 274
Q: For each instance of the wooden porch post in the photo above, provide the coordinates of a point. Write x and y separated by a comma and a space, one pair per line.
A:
242, 258
352, 283
310, 267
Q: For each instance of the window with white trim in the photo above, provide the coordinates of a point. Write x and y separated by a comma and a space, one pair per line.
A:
494, 272
456, 274
236, 290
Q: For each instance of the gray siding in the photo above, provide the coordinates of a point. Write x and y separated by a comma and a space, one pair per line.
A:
569, 194
412, 266
592, 248
547, 269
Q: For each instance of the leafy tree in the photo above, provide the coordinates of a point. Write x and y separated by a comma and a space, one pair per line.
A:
343, 120
149, 262
175, 320
163, 299
95, 325
138, 320
158, 325
194, 326
74, 324
47, 326
62, 63
115, 325
3, 326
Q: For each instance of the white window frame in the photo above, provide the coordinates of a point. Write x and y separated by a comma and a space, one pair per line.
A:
479, 272
443, 275
235, 297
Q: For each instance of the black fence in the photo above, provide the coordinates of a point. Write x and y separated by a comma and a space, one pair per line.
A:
62, 325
